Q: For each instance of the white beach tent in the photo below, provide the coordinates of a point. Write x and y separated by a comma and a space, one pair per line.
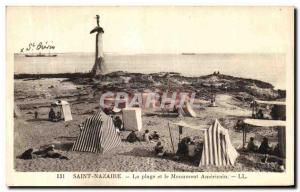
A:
132, 118
217, 147
187, 110
65, 109
98, 135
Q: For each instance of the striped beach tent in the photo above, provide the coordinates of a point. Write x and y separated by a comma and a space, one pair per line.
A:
217, 148
98, 134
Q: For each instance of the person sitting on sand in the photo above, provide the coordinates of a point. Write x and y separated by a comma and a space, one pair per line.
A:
277, 151
146, 136
155, 136
26, 154
260, 114
51, 115
264, 147
50, 153
132, 137
45, 153
197, 153
118, 123
58, 115
239, 125
159, 150
182, 150
251, 147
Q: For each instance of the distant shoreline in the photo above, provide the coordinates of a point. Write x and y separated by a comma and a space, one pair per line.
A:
125, 73
189, 64
58, 75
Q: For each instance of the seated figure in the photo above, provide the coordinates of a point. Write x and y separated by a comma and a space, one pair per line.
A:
264, 147
132, 137
251, 147
51, 115
155, 136
260, 114
159, 149
146, 136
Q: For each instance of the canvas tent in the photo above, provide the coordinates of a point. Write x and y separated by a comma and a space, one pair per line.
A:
262, 123
65, 109
187, 110
278, 111
217, 148
98, 135
270, 102
17, 111
132, 118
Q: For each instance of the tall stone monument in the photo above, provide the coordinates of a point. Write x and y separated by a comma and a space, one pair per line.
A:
98, 68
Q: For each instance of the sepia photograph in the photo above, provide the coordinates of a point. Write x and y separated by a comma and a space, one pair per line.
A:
150, 96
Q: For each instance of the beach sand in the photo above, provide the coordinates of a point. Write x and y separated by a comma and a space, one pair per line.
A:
139, 156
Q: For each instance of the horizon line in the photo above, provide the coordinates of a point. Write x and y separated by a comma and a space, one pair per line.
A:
182, 53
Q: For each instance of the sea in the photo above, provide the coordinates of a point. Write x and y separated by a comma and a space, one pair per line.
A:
270, 68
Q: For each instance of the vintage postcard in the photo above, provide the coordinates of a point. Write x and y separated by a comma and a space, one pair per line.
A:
150, 96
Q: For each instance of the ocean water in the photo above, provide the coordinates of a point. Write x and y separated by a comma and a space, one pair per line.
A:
266, 67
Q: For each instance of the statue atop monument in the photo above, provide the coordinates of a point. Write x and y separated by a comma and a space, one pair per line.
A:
97, 29
98, 67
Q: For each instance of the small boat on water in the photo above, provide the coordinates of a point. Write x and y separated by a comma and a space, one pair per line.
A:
40, 55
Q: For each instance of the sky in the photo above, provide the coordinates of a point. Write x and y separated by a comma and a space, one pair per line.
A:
135, 30
163, 30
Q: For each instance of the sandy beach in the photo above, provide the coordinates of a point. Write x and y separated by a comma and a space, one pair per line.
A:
83, 94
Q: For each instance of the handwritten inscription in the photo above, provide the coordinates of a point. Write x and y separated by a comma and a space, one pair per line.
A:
38, 46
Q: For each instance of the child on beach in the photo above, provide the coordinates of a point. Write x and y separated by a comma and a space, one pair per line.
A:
146, 136
159, 150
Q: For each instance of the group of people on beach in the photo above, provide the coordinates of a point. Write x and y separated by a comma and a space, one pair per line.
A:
54, 117
266, 150
159, 149
132, 137
264, 147
147, 137
46, 152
